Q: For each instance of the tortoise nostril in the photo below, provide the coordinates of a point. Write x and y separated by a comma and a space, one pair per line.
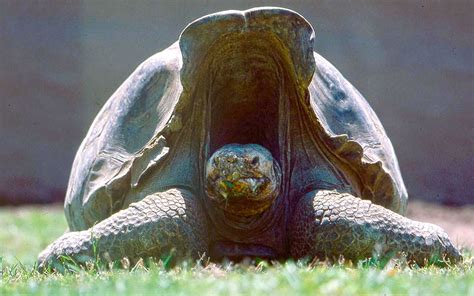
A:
255, 161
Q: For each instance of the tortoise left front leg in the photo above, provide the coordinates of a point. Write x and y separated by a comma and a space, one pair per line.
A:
153, 227
327, 224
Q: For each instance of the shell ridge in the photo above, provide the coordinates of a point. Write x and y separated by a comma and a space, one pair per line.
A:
356, 136
101, 170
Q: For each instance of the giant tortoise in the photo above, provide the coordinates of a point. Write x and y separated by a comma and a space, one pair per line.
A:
239, 141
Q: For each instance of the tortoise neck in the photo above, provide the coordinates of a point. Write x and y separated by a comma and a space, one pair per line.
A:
245, 229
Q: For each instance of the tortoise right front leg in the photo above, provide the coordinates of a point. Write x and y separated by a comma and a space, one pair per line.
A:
155, 226
327, 224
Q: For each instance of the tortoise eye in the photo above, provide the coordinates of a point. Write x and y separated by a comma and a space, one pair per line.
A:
255, 161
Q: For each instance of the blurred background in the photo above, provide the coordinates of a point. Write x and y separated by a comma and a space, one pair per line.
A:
61, 60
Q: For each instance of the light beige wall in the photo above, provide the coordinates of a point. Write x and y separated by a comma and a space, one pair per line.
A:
413, 61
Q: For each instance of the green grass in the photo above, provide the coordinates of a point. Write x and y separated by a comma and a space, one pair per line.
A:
26, 231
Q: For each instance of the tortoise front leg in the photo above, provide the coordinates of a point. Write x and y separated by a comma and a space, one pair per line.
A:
327, 224
171, 221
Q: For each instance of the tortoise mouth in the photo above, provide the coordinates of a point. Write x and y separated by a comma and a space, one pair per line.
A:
245, 188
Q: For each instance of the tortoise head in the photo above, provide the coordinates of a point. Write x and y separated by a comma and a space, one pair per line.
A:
244, 180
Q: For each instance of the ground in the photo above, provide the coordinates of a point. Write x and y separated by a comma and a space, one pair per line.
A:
26, 230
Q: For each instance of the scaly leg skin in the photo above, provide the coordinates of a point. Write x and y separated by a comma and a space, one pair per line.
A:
328, 224
170, 221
